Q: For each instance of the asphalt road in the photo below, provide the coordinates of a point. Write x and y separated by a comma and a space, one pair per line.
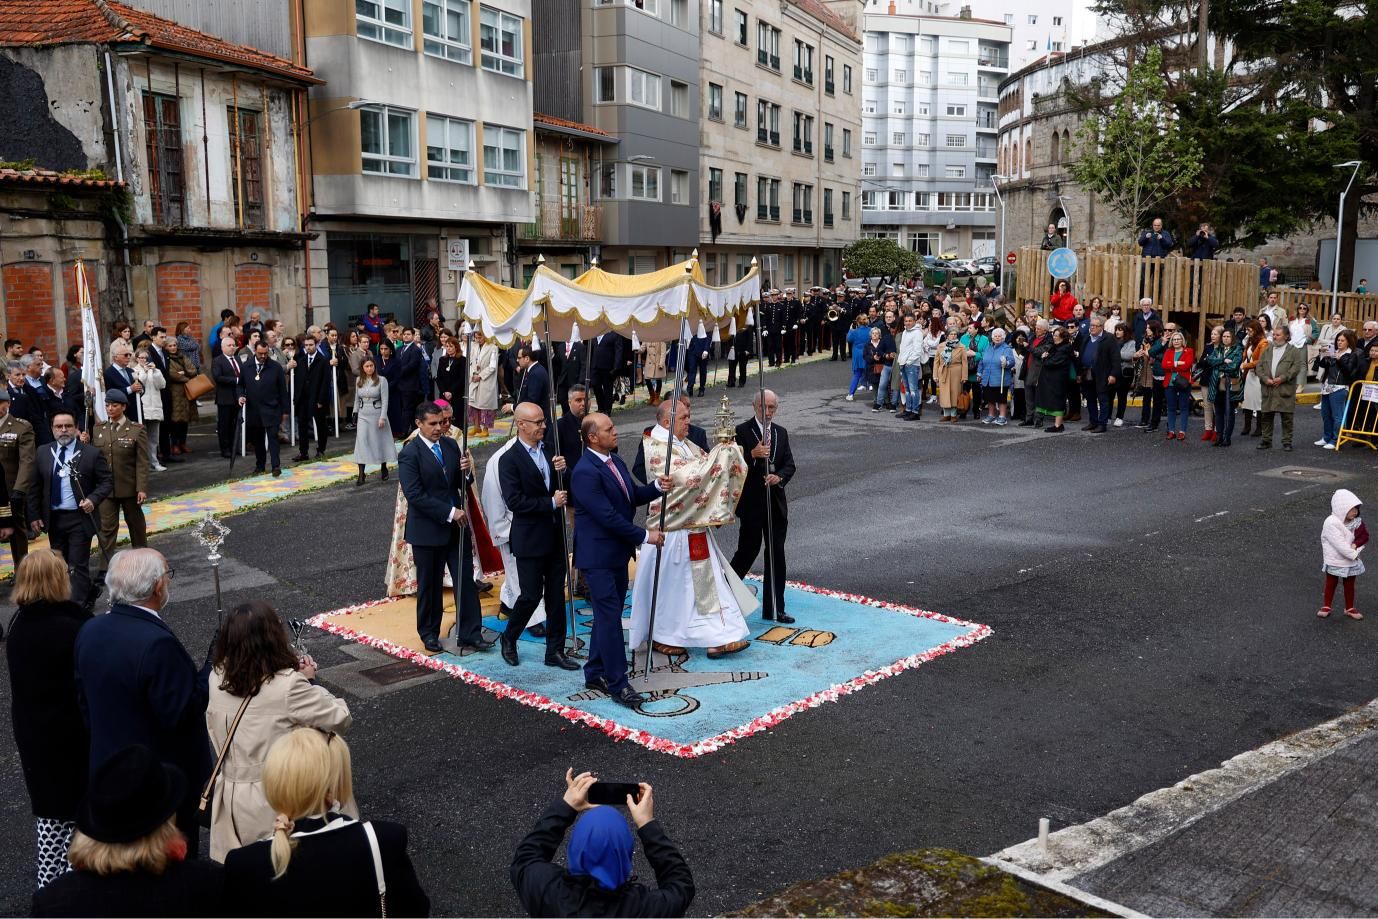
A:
1153, 613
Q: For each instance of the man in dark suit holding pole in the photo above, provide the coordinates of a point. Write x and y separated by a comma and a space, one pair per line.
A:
607, 359
313, 398
71, 479
263, 397
225, 371
432, 474
605, 539
766, 445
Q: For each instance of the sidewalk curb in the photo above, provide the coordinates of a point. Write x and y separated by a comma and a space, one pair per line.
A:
1076, 850
1073, 893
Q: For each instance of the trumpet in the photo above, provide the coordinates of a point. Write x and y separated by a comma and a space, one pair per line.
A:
834, 314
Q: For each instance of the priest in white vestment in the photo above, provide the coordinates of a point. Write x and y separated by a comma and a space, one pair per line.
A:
701, 601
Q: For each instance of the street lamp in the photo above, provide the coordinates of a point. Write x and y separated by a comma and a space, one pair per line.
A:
1339, 232
995, 181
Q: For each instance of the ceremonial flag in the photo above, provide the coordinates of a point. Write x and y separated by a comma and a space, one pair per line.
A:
92, 364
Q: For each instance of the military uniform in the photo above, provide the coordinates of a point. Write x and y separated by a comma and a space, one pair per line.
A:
811, 325
794, 314
772, 326
125, 446
16, 458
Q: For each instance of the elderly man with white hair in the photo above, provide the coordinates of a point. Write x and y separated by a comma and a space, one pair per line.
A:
138, 685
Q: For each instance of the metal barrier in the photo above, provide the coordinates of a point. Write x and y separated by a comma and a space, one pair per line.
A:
1360, 423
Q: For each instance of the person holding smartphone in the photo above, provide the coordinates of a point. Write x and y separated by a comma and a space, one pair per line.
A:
598, 881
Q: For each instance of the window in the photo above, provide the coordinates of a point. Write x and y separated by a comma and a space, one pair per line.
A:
741, 27
803, 62
868, 169
955, 172
163, 137
847, 78
923, 140
803, 204
903, 43
897, 108
926, 243
897, 138
504, 160
604, 84
921, 200
957, 111
679, 13
246, 165
679, 186
928, 44
827, 142
1057, 46
1032, 44
714, 184
1057, 20
897, 201
868, 107
827, 207
644, 183
643, 89
956, 46
386, 140
679, 99
739, 189
449, 149
956, 140
803, 133
715, 101
828, 74
715, 16
500, 40
1033, 19
872, 75
921, 170
445, 25
767, 123
846, 205
957, 78
921, 108
739, 111
846, 141
868, 201
868, 138
896, 169
1009, 19
767, 46
901, 76
767, 199
387, 21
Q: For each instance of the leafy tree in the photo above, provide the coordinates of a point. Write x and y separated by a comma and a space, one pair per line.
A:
869, 258
1132, 153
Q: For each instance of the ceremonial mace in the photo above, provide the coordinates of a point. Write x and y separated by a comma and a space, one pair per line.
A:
211, 533
665, 497
765, 439
468, 332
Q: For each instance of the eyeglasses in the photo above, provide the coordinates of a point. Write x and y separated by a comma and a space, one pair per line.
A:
539, 424
170, 573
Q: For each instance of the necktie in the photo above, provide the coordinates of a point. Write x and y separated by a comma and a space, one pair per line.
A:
57, 485
612, 467
439, 457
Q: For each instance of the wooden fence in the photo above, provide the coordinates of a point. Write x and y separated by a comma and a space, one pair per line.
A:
1355, 308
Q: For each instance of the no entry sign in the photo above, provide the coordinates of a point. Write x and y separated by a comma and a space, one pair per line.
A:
1010, 258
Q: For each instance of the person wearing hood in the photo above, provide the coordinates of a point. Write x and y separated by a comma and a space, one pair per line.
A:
1343, 537
599, 880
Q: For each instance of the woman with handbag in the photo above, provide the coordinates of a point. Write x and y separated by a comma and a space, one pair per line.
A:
260, 690
950, 370
1177, 363
319, 861
183, 380
1149, 359
1225, 384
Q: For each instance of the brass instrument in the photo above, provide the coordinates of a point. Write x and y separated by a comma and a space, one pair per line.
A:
834, 314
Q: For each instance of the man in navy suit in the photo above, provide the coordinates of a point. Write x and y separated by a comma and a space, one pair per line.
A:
533, 383
138, 685
607, 360
432, 473
605, 539
119, 376
263, 396
531, 489
313, 398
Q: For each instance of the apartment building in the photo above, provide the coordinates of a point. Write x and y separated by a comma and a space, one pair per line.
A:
930, 94
421, 148
1039, 27
780, 140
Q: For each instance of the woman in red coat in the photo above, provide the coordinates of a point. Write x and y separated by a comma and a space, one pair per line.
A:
1177, 361
1062, 302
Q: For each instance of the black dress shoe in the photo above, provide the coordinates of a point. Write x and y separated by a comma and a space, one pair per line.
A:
277, 471
597, 684
509, 650
432, 645
480, 645
784, 618
301, 457
259, 470
559, 660
537, 630
483, 586
629, 697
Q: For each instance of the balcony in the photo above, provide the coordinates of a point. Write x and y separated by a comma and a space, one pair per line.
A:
827, 218
828, 154
987, 121
766, 59
771, 214
829, 87
985, 151
804, 217
563, 221
769, 138
992, 59
803, 74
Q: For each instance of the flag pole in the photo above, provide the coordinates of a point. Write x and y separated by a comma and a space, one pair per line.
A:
765, 439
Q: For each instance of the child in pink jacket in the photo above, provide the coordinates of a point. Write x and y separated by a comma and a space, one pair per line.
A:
1343, 537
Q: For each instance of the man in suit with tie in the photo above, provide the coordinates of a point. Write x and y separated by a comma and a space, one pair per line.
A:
531, 489
533, 383
71, 480
225, 371
607, 358
605, 539
432, 473
263, 399
766, 445
16, 461
313, 398
119, 376
157, 355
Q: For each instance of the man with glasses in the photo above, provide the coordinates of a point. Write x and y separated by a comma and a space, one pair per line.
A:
70, 482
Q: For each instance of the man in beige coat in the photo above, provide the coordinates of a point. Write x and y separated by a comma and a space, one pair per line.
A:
1278, 368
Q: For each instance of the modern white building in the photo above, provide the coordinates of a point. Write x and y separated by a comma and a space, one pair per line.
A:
1039, 27
930, 91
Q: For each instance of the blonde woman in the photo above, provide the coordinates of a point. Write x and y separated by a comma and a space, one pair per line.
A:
320, 862
483, 385
253, 659
128, 857
373, 441
150, 414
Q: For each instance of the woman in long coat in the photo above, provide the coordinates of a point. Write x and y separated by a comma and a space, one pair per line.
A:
483, 386
180, 371
372, 437
950, 372
1056, 356
390, 369
653, 369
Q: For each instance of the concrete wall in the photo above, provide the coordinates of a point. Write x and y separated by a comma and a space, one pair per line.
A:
52, 106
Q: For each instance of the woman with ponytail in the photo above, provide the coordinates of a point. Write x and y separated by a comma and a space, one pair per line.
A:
319, 861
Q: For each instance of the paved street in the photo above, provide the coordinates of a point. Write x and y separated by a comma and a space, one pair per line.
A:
1153, 615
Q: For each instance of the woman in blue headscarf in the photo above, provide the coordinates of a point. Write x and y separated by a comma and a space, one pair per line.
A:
599, 881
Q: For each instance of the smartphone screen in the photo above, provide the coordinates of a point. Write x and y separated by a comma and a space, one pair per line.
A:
614, 793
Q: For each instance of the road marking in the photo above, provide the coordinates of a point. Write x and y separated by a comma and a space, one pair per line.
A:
1303, 488
1209, 516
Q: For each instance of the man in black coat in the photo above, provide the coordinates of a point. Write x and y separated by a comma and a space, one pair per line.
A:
533, 383
531, 488
569, 370
71, 479
1098, 361
157, 356
571, 444
225, 371
607, 358
138, 685
313, 398
263, 398
771, 462
743, 350
119, 376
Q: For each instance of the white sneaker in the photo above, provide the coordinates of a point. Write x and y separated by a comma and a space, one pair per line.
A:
1317, 406
1321, 442
1328, 447
851, 398
157, 467
1119, 422
932, 400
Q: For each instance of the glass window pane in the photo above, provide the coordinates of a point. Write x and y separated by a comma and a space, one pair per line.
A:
371, 130
399, 134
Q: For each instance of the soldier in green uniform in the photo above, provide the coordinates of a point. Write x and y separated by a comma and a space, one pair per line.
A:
16, 460
125, 445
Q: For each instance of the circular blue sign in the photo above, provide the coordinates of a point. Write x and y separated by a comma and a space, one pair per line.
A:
1062, 263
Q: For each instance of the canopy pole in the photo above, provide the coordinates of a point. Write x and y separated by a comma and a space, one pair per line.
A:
770, 465
572, 630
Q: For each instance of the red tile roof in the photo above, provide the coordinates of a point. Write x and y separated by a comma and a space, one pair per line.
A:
818, 11
67, 22
562, 123
49, 177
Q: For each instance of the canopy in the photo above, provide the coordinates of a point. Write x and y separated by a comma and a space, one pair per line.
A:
652, 305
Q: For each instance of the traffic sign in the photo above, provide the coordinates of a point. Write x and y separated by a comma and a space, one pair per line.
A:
1010, 258
1062, 263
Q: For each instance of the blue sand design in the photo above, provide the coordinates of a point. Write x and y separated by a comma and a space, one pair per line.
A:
702, 698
